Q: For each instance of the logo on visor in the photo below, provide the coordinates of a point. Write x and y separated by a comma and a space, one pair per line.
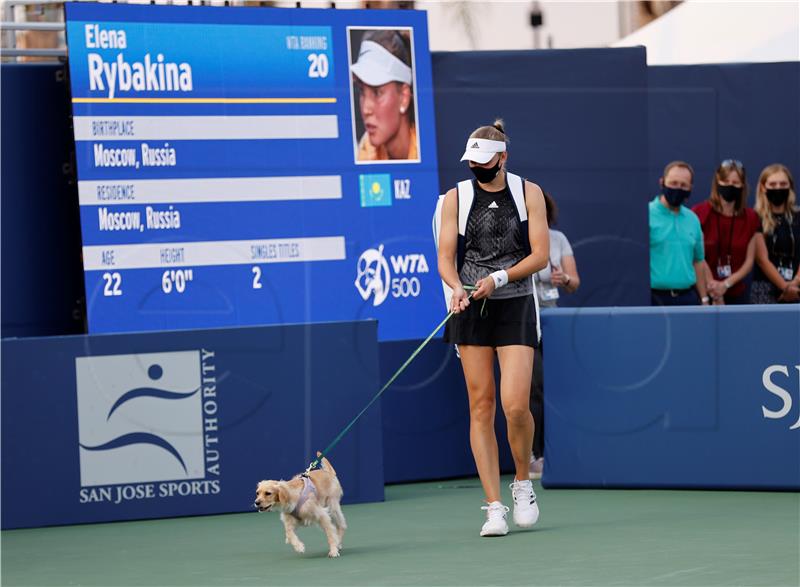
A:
475, 146
375, 190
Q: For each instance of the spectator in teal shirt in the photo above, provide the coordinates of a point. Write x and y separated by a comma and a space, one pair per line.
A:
677, 276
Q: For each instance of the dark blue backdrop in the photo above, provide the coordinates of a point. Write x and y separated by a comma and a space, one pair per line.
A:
577, 123
577, 120
704, 114
580, 125
42, 276
673, 397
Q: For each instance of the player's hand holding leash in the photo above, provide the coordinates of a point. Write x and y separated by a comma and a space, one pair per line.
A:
488, 284
485, 288
459, 301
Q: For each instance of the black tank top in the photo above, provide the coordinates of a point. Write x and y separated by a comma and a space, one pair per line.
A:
494, 240
783, 246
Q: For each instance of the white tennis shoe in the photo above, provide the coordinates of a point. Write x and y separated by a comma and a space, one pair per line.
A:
526, 510
496, 524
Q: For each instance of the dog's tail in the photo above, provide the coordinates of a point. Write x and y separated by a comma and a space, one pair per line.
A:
326, 464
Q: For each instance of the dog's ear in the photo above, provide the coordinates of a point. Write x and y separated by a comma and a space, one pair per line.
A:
283, 494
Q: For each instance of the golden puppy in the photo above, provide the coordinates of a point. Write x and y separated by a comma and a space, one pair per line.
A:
305, 500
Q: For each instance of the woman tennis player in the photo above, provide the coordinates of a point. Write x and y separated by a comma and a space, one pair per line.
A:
494, 236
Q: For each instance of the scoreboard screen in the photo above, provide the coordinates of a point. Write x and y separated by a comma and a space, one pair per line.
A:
242, 166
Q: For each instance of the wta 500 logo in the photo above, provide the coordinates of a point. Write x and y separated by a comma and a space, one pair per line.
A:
374, 277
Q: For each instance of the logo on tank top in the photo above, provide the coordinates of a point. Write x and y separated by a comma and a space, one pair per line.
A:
493, 205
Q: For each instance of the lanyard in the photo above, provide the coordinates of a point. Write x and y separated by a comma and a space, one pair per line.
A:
719, 237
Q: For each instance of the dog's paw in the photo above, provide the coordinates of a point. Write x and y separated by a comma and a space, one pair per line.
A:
299, 548
333, 553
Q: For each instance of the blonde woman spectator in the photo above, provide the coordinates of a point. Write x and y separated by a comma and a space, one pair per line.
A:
777, 275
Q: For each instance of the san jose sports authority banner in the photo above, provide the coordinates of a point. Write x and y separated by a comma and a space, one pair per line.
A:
254, 166
151, 425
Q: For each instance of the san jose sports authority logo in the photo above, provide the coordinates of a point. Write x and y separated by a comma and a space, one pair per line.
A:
146, 418
373, 277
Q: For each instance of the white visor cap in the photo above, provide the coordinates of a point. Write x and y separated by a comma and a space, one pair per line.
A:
376, 66
481, 151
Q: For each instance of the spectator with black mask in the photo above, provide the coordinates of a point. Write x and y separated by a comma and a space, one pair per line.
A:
777, 274
677, 271
729, 227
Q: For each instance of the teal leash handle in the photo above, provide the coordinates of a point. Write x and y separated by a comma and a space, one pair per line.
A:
315, 463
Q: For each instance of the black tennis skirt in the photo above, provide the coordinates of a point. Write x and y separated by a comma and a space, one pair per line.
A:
503, 322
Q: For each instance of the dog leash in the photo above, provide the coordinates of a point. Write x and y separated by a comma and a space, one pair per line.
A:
315, 463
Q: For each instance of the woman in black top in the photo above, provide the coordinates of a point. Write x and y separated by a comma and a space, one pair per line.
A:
500, 243
777, 275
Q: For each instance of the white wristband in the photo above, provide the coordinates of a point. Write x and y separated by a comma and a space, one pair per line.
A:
500, 278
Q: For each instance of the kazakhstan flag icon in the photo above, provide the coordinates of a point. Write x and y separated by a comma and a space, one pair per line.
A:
375, 190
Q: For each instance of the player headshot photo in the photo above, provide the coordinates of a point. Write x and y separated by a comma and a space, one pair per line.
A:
383, 95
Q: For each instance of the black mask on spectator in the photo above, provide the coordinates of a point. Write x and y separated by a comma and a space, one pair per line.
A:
778, 196
675, 196
486, 174
729, 193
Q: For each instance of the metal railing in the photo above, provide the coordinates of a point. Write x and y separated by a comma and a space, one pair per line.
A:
33, 30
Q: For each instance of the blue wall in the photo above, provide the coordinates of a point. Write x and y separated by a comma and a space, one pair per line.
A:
673, 397
577, 123
263, 398
42, 275
706, 113
594, 127
577, 120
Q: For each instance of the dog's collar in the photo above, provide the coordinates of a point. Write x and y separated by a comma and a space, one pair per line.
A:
309, 489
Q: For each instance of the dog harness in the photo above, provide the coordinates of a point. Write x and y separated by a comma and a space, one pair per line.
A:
309, 489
